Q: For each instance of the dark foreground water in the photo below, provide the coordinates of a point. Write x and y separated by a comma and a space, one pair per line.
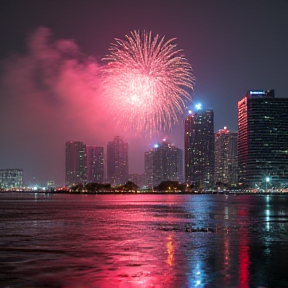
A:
81, 241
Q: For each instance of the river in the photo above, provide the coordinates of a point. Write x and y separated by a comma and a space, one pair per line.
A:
139, 240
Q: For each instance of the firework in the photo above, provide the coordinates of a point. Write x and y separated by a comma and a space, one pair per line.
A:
147, 82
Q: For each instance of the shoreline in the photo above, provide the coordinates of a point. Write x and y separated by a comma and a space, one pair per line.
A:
149, 193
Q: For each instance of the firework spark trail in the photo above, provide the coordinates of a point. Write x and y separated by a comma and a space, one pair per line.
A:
147, 82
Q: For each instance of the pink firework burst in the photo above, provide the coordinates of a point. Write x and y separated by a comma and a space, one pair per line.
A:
147, 82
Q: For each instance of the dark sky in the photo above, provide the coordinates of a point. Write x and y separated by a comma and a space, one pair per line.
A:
50, 51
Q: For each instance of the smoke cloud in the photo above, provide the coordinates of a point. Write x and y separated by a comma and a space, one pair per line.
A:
49, 95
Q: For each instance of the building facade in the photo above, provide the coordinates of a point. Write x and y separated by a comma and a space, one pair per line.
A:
75, 163
138, 179
117, 161
164, 162
84, 163
149, 160
199, 148
11, 179
95, 163
263, 140
226, 167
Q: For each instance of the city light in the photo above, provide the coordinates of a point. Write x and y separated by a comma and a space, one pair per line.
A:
267, 180
257, 92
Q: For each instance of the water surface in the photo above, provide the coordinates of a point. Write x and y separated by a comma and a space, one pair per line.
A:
79, 241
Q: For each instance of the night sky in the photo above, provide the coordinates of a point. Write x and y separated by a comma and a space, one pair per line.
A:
51, 51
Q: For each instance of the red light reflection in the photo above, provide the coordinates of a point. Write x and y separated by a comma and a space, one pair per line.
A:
244, 260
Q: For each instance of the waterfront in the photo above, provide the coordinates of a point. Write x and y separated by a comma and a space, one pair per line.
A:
62, 240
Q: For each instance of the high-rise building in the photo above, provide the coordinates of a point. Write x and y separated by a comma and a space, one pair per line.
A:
84, 163
117, 161
226, 170
164, 162
149, 157
199, 148
75, 163
11, 179
263, 140
95, 163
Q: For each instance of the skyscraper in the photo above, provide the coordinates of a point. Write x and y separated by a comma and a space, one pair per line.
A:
164, 162
226, 170
11, 178
95, 163
263, 140
75, 163
117, 161
84, 163
199, 148
149, 160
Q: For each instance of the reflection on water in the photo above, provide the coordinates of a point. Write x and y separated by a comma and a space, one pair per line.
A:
81, 241
244, 259
170, 250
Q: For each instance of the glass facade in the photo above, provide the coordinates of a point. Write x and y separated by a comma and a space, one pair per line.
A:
199, 148
263, 140
163, 163
11, 179
226, 170
117, 161
95, 163
75, 163
149, 156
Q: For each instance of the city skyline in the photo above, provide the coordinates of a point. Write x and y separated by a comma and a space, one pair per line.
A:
211, 158
48, 57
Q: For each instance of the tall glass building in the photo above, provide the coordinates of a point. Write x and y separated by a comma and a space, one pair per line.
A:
75, 163
164, 162
117, 161
11, 179
199, 148
95, 163
226, 168
84, 163
149, 162
263, 140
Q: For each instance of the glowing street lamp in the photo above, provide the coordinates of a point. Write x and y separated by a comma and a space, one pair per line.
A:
267, 180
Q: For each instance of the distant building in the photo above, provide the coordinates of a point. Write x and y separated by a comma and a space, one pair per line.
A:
226, 168
117, 161
11, 179
95, 163
50, 185
138, 179
263, 140
84, 163
164, 162
75, 163
199, 148
149, 161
